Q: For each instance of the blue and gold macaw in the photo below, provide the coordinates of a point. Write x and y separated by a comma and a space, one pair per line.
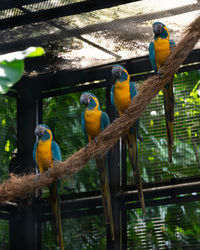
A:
159, 50
93, 121
46, 153
122, 92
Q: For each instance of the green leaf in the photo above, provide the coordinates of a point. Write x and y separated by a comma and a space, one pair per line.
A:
36, 51
21, 55
12, 66
10, 73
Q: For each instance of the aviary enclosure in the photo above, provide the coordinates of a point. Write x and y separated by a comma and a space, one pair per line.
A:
83, 40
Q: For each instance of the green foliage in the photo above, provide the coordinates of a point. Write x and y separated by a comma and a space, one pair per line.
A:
12, 66
8, 132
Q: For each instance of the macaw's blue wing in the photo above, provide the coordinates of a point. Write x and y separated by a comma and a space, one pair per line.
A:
133, 89
172, 43
105, 121
56, 151
83, 126
56, 157
134, 92
34, 156
112, 93
152, 56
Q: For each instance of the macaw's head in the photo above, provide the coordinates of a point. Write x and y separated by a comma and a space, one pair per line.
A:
89, 100
120, 73
43, 132
159, 29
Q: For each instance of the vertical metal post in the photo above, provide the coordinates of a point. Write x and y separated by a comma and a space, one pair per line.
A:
26, 122
23, 226
39, 233
14, 232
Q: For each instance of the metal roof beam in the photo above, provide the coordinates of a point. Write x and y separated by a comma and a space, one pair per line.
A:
66, 10
9, 4
88, 6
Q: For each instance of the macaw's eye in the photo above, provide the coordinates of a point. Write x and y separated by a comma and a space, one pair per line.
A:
39, 131
116, 72
158, 28
85, 99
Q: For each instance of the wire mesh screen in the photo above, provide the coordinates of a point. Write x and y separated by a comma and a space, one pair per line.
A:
8, 133
174, 226
63, 115
86, 232
4, 234
153, 153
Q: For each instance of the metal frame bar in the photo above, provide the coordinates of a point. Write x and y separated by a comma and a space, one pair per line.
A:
160, 194
66, 10
9, 4
71, 9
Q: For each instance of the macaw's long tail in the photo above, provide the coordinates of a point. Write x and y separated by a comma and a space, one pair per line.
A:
133, 154
101, 163
168, 97
55, 207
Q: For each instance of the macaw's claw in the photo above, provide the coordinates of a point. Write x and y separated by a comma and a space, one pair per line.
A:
96, 139
85, 148
47, 172
159, 74
37, 177
126, 111
55, 163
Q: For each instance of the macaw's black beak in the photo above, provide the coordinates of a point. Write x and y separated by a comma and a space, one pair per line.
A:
157, 29
39, 131
116, 72
85, 99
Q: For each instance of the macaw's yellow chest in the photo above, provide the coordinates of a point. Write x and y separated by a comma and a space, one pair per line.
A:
44, 156
122, 96
162, 51
93, 123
